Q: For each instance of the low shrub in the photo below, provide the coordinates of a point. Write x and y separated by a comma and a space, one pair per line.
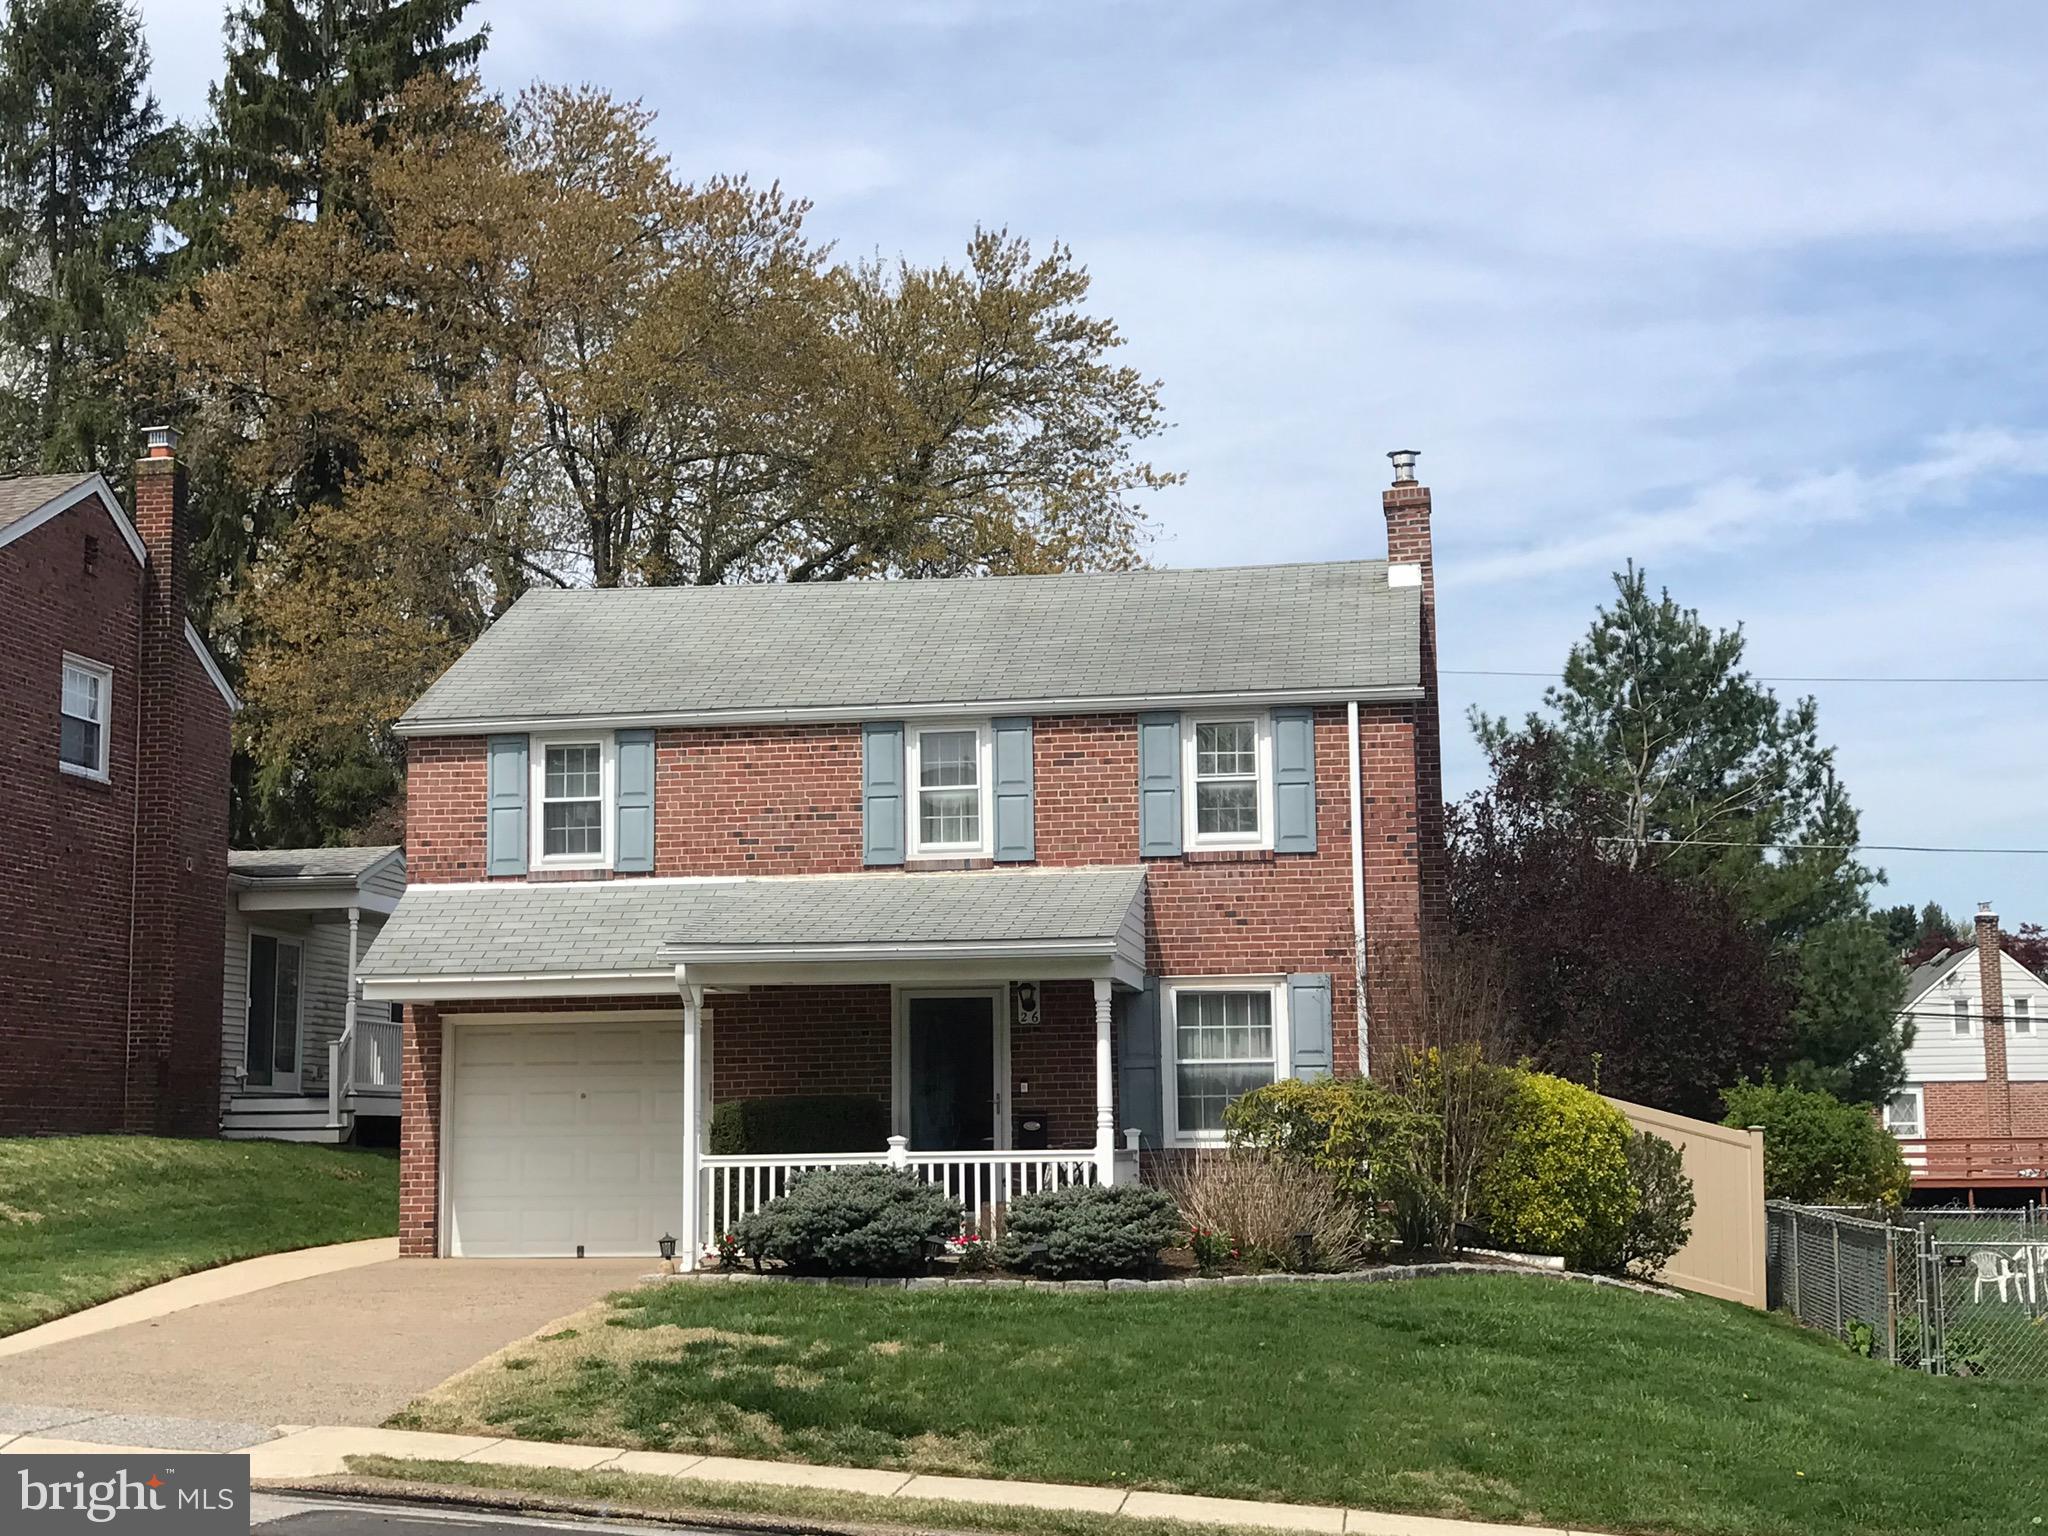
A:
1559, 1180
1266, 1204
1090, 1231
1818, 1150
861, 1220
1662, 1219
815, 1122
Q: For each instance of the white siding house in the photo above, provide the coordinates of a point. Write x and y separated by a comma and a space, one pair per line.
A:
298, 1062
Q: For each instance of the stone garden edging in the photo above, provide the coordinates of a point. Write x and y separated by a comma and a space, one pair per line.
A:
1384, 1273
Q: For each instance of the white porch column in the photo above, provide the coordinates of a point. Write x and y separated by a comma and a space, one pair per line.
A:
690, 1248
341, 1056
1105, 1089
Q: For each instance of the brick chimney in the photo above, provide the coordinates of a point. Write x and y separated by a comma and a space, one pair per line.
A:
158, 918
1410, 562
1991, 1019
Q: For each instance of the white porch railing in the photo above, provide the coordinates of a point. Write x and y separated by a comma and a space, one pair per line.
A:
983, 1182
377, 1045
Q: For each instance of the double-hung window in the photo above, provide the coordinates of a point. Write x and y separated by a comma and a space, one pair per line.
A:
83, 712
1904, 1115
1229, 773
1225, 1039
572, 801
950, 767
1959, 1012
2022, 1016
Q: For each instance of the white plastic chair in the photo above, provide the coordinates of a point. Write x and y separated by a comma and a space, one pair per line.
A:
1995, 1269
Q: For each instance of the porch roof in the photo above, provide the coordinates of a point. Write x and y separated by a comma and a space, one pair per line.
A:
599, 937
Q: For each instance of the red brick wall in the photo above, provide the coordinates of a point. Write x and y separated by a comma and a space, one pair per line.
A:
1056, 1057
786, 800
776, 1041
445, 809
110, 923
419, 1134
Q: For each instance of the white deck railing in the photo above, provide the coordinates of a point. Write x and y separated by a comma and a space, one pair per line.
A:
983, 1182
378, 1044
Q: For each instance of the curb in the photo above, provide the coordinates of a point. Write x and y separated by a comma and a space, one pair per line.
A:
1385, 1274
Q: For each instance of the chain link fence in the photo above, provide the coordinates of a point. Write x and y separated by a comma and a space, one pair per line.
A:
1951, 1291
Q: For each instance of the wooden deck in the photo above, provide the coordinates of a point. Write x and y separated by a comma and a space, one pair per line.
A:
1971, 1163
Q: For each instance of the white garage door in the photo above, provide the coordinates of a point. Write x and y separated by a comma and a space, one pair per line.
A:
562, 1135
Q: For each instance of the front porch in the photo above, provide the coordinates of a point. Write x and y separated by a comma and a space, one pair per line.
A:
568, 1046
990, 1091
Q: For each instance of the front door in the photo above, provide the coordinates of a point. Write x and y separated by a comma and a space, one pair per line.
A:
271, 1047
953, 1086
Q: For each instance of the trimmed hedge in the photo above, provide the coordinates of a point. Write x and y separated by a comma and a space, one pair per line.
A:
865, 1219
816, 1122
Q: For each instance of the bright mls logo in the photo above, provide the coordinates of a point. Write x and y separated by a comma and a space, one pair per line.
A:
177, 1496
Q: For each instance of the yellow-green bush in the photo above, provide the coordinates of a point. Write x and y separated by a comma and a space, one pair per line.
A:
1341, 1126
1558, 1181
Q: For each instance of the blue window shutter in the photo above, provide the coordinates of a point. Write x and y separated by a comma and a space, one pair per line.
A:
1016, 835
1308, 1012
1294, 781
505, 815
635, 816
882, 791
1138, 1088
1158, 785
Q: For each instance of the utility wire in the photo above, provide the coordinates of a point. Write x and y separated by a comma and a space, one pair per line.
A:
1838, 678
1701, 842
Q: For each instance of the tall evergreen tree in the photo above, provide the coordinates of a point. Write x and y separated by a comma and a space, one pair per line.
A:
295, 65
87, 169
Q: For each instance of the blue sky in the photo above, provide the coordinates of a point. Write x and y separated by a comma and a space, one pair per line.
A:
1753, 293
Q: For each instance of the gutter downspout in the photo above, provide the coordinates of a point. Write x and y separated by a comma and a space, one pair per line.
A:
1357, 885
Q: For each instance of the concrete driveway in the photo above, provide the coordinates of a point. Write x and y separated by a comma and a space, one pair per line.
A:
347, 1348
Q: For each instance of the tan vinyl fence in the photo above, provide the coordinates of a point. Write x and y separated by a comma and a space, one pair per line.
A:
1725, 1256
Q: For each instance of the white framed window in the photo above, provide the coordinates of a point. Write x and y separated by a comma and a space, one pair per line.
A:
1224, 1036
1227, 766
573, 781
1905, 1113
2022, 1016
951, 766
85, 708
1959, 1010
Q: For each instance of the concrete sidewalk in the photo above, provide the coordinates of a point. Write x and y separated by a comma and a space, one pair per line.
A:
291, 1453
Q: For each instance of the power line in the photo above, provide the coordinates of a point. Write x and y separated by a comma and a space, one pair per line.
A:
1783, 678
1701, 842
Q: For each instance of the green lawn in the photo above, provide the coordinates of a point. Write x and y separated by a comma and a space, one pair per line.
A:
86, 1218
1506, 1398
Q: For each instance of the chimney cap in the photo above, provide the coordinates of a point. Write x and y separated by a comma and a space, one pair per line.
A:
160, 442
1404, 465
1984, 911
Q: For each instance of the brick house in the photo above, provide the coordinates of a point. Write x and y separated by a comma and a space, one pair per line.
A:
1040, 870
1973, 1114
114, 783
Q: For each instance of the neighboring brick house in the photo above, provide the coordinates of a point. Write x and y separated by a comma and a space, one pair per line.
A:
1973, 1114
114, 787
1043, 869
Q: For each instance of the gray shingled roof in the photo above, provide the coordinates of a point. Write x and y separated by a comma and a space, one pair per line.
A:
305, 863
22, 494
644, 927
655, 652
1926, 975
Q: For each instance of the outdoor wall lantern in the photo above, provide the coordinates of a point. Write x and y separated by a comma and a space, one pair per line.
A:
668, 1249
1027, 1002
